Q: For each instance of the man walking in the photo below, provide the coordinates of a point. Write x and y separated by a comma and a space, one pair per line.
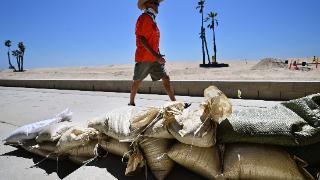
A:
147, 57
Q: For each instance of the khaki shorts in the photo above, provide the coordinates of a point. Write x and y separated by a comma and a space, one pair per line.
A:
143, 69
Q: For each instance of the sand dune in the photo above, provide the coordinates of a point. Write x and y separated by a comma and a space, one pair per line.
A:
238, 70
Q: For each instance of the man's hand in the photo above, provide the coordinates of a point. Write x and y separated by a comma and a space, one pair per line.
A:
160, 59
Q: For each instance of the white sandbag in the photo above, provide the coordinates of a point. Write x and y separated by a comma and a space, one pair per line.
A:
53, 132
192, 126
98, 123
155, 151
203, 161
118, 122
115, 147
75, 136
255, 161
31, 131
216, 105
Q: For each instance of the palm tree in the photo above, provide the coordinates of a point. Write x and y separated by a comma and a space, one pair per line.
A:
8, 44
213, 25
203, 32
17, 54
22, 49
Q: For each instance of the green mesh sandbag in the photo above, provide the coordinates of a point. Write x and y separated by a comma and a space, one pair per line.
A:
307, 107
277, 125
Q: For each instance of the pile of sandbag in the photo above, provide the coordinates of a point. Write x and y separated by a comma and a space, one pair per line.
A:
60, 138
293, 125
209, 139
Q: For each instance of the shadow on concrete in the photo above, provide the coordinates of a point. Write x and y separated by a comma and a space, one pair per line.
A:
65, 167
111, 163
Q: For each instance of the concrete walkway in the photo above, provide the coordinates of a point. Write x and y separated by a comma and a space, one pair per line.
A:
20, 106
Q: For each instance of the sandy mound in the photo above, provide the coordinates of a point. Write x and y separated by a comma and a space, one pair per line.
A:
269, 63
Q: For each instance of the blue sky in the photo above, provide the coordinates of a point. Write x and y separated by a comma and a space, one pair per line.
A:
99, 32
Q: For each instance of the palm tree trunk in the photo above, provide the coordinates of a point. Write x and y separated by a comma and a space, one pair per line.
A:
21, 60
10, 65
214, 45
203, 53
22, 63
18, 62
206, 44
202, 39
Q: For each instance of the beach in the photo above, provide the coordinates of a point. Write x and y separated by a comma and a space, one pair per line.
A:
188, 70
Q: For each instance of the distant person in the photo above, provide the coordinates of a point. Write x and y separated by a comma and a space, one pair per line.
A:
147, 57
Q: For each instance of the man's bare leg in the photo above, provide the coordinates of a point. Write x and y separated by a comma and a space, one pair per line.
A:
134, 90
168, 88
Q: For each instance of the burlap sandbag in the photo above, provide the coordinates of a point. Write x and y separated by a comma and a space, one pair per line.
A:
255, 161
53, 132
33, 148
309, 154
216, 106
203, 161
192, 126
115, 147
48, 146
155, 151
135, 163
87, 150
124, 123
75, 137
158, 129
79, 160
145, 118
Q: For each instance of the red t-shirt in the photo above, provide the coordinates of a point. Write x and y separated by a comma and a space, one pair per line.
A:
147, 28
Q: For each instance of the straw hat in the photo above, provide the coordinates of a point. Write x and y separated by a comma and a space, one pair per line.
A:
142, 2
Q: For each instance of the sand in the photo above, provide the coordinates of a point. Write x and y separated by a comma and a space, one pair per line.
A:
238, 70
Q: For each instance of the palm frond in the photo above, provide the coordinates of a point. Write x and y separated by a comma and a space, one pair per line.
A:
15, 53
7, 43
21, 46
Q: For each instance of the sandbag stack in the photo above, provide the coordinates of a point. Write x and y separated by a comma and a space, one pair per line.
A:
209, 139
191, 130
256, 139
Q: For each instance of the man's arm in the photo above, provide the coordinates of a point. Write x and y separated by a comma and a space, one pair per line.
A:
146, 45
